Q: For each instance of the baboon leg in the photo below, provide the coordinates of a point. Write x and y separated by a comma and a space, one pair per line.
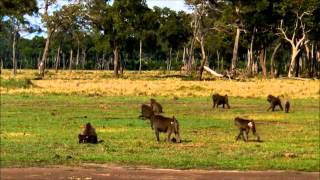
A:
223, 105
157, 135
269, 108
273, 106
281, 107
238, 137
151, 124
245, 136
169, 134
257, 135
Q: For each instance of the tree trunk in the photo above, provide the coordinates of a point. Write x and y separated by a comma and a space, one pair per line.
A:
63, 61
58, 59
45, 54
169, 60
250, 55
78, 53
121, 65
70, 60
184, 56
14, 61
191, 55
116, 61
218, 59
140, 56
235, 50
295, 52
83, 61
1, 65
263, 63
204, 58
272, 63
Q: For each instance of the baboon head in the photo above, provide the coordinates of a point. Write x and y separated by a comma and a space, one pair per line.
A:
146, 111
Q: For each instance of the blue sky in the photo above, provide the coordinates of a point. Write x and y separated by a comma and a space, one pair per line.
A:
177, 5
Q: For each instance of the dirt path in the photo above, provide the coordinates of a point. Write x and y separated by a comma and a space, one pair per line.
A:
126, 173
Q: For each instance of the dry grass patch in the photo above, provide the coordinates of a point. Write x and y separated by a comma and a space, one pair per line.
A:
153, 83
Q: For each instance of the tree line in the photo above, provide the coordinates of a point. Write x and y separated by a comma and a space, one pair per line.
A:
270, 38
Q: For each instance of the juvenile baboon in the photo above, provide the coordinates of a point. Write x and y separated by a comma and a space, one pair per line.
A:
244, 126
218, 100
156, 107
146, 111
287, 107
166, 125
274, 101
88, 135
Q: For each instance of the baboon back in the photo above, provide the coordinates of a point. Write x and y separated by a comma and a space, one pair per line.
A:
220, 100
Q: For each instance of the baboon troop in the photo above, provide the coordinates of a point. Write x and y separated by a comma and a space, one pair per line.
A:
218, 100
156, 107
274, 101
166, 125
287, 107
244, 126
161, 124
88, 135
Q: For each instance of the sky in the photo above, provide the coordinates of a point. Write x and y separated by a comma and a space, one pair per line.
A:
177, 5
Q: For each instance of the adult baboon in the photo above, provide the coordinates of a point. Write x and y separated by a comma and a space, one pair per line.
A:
274, 101
146, 111
88, 135
156, 107
166, 125
287, 107
218, 100
244, 126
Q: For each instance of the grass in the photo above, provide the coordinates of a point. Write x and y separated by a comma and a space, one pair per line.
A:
156, 83
41, 130
40, 121
15, 83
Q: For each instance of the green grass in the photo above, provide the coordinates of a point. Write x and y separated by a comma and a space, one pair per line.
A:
42, 130
15, 83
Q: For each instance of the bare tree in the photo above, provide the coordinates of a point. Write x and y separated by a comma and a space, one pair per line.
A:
295, 41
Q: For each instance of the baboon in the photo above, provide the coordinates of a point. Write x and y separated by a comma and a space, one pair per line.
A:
166, 125
244, 126
146, 111
274, 101
287, 107
218, 100
156, 107
88, 135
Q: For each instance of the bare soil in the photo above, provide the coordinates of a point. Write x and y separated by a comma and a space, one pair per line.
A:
92, 172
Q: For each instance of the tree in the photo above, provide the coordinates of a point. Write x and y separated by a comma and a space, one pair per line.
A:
15, 10
65, 16
204, 14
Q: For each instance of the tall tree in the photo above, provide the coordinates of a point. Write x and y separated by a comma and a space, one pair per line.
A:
64, 16
15, 10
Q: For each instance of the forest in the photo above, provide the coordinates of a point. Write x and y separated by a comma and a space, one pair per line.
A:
265, 38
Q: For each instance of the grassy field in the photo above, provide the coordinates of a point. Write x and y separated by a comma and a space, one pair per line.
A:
40, 122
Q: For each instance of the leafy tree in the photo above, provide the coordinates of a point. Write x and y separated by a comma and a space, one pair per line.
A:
15, 10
